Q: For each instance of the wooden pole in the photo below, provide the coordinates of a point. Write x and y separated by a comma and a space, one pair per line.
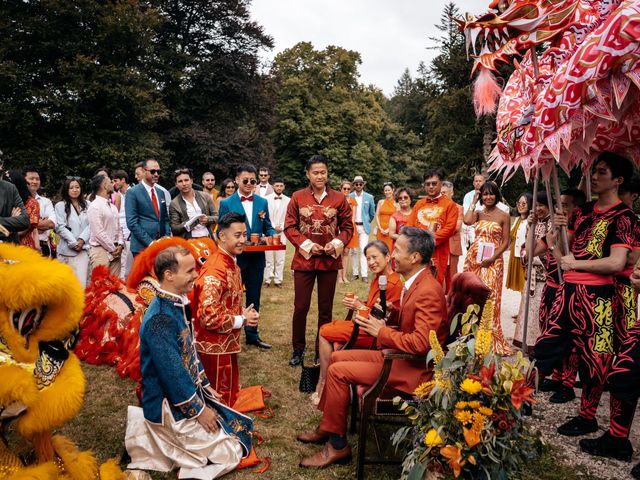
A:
531, 238
547, 186
563, 230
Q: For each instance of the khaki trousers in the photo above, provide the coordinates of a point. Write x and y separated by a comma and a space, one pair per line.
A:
99, 256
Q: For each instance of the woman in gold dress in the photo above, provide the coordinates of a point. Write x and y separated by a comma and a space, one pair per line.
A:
515, 271
484, 257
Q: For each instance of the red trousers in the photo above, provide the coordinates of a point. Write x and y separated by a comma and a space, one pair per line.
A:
303, 283
347, 366
223, 374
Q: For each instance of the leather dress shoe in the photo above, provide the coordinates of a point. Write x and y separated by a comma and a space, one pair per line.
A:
578, 426
258, 342
316, 436
296, 358
608, 446
327, 456
549, 385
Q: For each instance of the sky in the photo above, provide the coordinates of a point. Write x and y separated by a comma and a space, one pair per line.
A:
389, 35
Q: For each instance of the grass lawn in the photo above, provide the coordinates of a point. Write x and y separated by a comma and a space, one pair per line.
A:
100, 426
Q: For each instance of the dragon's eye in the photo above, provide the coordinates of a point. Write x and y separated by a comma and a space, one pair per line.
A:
26, 322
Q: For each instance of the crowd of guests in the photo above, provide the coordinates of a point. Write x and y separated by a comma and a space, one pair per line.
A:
582, 306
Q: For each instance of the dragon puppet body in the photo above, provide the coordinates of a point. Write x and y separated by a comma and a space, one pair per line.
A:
578, 95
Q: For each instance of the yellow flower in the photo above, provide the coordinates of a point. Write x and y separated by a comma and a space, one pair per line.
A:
461, 405
463, 416
474, 404
484, 342
423, 389
432, 439
436, 348
470, 386
478, 421
485, 411
486, 322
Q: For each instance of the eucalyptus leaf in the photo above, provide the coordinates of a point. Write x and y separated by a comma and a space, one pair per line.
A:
417, 472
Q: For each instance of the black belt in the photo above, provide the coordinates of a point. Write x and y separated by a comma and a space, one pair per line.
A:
359, 223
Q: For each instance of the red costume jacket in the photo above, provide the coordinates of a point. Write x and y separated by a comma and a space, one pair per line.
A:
423, 309
439, 216
217, 298
319, 222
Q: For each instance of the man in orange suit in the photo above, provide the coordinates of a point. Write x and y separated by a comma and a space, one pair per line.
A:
439, 215
422, 309
218, 309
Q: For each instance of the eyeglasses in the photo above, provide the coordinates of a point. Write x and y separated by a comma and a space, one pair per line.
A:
404, 197
153, 171
230, 186
72, 177
252, 181
355, 184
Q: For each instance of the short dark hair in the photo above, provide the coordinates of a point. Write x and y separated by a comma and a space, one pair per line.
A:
182, 171
30, 168
101, 169
316, 159
167, 259
17, 178
542, 199
379, 244
493, 189
140, 165
264, 169
579, 197
246, 167
277, 180
400, 190
433, 173
421, 241
94, 185
230, 218
120, 175
633, 186
620, 166
146, 162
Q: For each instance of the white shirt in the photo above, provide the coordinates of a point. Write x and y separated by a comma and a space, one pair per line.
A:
148, 188
278, 208
46, 212
359, 199
248, 209
123, 217
409, 281
194, 210
262, 189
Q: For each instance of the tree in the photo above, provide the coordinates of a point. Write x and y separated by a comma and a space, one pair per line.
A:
323, 109
74, 86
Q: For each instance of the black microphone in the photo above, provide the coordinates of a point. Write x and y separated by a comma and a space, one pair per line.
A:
382, 283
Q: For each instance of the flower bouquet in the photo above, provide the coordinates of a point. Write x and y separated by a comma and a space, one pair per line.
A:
467, 422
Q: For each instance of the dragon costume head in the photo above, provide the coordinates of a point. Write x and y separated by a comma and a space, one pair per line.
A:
42, 384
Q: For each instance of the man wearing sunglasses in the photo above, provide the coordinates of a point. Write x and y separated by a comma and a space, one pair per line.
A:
251, 264
146, 209
365, 213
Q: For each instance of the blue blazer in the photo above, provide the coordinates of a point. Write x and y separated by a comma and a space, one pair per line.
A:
258, 225
142, 222
368, 210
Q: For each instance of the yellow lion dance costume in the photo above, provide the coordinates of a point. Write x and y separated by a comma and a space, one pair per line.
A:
41, 382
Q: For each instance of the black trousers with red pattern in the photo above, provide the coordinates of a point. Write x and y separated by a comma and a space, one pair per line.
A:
581, 317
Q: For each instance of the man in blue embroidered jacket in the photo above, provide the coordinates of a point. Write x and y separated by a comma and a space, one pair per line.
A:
179, 424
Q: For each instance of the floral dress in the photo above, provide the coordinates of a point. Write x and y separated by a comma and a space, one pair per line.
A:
28, 238
487, 231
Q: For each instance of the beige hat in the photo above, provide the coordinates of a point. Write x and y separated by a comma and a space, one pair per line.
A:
358, 178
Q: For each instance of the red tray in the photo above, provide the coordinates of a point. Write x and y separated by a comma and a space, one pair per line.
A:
263, 248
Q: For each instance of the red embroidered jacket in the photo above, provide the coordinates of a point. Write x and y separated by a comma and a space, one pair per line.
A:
217, 298
319, 222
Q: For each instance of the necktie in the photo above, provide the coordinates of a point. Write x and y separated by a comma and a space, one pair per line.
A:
154, 200
246, 199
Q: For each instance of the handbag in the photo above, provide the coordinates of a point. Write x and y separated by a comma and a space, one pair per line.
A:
309, 376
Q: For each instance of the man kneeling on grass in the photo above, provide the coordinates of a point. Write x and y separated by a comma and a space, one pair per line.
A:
422, 309
181, 423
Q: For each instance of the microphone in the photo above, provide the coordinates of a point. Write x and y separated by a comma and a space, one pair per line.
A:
382, 283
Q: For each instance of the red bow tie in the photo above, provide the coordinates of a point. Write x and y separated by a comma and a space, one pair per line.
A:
246, 199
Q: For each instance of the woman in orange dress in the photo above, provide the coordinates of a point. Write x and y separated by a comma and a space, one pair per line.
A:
386, 208
399, 219
345, 188
28, 237
339, 331
484, 257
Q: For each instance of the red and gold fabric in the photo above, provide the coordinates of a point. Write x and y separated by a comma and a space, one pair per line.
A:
308, 220
439, 216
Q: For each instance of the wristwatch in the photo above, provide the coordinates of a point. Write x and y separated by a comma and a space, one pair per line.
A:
552, 248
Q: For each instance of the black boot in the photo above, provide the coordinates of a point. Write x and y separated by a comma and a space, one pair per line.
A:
608, 446
563, 395
635, 471
578, 426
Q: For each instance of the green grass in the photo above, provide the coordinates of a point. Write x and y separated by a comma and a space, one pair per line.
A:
100, 426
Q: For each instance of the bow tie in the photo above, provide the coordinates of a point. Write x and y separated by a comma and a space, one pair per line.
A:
246, 199
277, 197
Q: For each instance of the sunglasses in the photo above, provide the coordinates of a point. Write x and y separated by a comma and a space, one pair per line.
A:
71, 177
264, 174
230, 186
387, 184
180, 171
358, 183
252, 181
404, 198
153, 171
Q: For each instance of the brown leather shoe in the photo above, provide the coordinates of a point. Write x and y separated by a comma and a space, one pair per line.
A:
327, 456
317, 436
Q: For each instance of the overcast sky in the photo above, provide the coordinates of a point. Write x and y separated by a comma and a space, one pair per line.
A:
390, 35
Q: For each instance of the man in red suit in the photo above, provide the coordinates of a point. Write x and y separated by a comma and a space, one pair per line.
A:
219, 315
318, 223
439, 215
422, 309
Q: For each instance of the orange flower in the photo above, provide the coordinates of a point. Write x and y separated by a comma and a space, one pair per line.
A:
521, 393
471, 436
454, 458
486, 377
